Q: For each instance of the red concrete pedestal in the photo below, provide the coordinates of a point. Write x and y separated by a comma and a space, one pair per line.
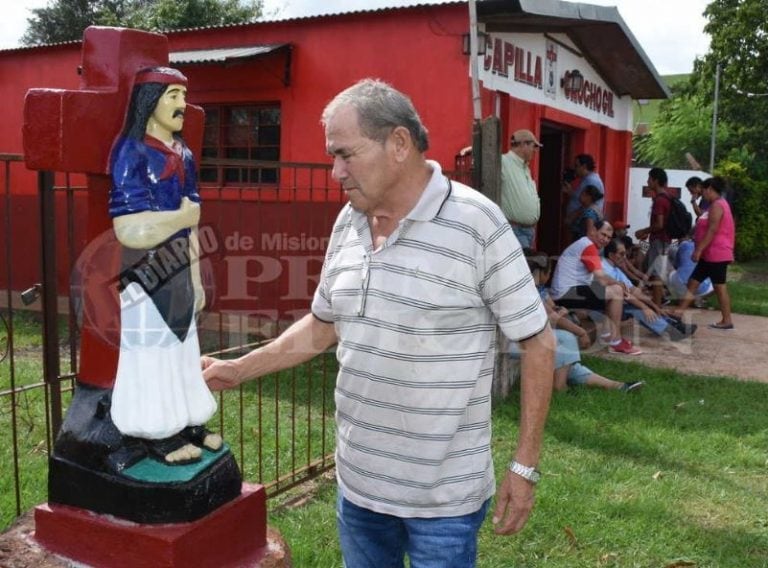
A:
233, 536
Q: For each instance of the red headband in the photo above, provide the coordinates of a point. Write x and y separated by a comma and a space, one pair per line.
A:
164, 75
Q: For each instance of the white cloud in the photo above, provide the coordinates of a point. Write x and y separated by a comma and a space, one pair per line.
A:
13, 24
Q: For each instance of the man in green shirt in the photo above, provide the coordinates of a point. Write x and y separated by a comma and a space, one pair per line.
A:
519, 199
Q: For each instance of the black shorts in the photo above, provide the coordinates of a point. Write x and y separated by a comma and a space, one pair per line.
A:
715, 271
590, 297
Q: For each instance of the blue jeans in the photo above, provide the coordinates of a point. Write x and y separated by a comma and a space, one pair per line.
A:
524, 234
376, 540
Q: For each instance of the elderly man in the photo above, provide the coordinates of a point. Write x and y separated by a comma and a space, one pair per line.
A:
419, 272
519, 200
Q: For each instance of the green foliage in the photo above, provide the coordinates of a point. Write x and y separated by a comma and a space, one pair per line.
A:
739, 47
750, 210
65, 20
683, 125
176, 14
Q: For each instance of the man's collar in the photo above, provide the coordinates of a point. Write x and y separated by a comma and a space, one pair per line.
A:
433, 196
517, 157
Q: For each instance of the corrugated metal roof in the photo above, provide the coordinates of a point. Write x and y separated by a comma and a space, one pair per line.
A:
322, 12
598, 31
223, 55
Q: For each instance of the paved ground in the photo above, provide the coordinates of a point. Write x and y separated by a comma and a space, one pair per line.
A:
741, 352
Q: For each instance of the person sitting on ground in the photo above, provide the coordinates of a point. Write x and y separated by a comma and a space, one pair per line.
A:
639, 305
582, 220
677, 282
579, 282
569, 371
628, 265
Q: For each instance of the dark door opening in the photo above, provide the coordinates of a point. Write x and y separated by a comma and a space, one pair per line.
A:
550, 234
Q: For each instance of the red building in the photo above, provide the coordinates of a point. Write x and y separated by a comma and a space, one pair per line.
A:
264, 85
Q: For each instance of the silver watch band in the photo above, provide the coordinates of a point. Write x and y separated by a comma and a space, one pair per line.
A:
526, 472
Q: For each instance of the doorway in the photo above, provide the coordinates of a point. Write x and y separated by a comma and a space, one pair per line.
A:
550, 234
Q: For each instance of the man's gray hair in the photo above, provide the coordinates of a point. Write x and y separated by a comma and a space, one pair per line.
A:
380, 109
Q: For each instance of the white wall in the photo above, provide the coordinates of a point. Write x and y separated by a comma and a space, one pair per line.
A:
639, 207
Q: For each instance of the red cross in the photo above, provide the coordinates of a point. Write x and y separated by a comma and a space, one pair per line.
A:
73, 131
551, 52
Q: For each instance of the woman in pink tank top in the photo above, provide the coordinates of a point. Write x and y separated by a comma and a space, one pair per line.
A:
715, 236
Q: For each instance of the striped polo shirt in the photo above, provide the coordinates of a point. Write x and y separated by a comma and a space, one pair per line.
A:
416, 321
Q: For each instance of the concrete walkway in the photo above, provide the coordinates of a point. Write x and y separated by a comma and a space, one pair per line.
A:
741, 352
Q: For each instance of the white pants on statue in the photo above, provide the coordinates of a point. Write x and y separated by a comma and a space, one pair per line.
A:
159, 389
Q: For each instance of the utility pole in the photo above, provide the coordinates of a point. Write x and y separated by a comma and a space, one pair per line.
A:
473, 66
712, 142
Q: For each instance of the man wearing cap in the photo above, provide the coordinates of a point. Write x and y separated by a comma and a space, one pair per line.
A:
519, 199
159, 396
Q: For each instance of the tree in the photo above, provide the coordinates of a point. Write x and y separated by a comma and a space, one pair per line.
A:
176, 14
739, 45
682, 127
65, 20
739, 32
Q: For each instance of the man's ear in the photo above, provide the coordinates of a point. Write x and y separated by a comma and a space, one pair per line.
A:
402, 143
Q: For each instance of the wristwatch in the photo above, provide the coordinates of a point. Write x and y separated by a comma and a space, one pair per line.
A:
528, 473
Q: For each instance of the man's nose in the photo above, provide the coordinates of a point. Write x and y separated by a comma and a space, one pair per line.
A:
339, 170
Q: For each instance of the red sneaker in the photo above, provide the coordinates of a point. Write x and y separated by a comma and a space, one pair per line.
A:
625, 347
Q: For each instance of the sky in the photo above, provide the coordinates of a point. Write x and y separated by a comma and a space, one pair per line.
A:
669, 31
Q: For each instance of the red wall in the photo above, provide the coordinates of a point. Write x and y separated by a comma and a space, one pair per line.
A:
418, 50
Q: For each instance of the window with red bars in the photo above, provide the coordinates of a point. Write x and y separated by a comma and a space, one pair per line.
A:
241, 132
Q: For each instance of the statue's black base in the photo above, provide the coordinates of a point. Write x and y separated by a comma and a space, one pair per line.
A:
92, 463
141, 501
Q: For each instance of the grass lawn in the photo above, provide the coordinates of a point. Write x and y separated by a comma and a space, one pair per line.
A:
675, 473
748, 288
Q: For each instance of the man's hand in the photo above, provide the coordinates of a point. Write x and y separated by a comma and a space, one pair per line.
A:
584, 341
649, 314
220, 374
514, 501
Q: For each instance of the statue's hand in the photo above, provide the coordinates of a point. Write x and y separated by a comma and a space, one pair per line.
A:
190, 212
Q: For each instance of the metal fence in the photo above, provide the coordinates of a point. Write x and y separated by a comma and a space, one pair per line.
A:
262, 249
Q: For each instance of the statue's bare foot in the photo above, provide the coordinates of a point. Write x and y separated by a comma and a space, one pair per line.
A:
185, 454
174, 450
213, 441
202, 437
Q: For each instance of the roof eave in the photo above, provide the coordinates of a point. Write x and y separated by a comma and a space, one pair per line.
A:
599, 32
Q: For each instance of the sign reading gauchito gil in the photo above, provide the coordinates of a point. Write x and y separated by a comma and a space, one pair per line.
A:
505, 59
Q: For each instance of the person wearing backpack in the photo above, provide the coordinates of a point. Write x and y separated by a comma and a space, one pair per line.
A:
656, 233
